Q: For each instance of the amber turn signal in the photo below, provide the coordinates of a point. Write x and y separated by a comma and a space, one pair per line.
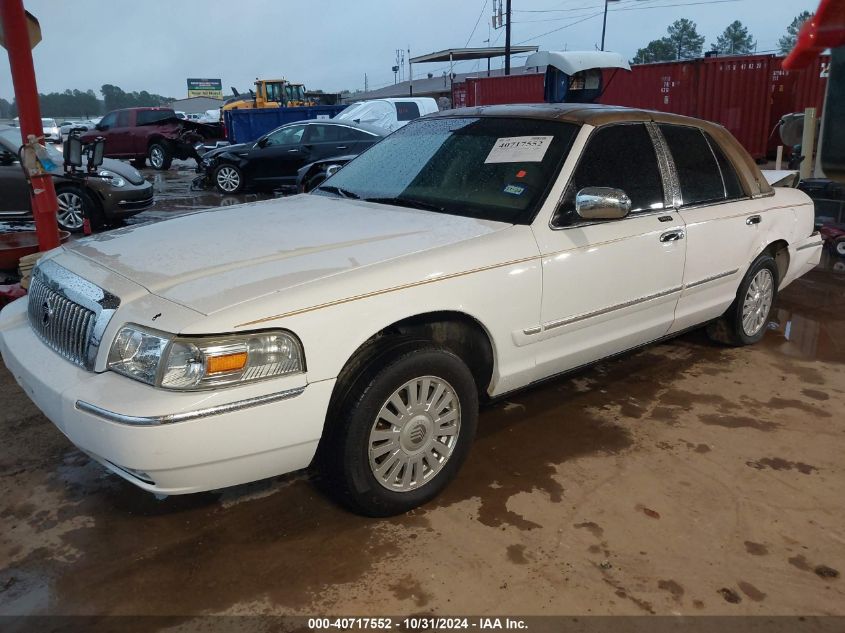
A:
226, 362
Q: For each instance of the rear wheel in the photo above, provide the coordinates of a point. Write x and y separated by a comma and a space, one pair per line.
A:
228, 179
401, 429
840, 248
745, 321
160, 156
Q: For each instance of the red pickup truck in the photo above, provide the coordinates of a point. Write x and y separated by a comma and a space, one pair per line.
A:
138, 134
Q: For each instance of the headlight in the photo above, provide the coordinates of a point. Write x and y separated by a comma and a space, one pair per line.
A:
192, 363
113, 178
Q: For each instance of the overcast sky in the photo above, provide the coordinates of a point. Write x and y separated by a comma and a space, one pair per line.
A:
156, 45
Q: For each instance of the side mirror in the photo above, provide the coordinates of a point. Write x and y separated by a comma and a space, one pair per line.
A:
7, 158
602, 203
101, 127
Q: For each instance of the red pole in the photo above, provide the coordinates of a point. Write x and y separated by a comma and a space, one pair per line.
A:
44, 203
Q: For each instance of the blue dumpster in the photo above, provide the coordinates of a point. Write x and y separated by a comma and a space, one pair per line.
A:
244, 126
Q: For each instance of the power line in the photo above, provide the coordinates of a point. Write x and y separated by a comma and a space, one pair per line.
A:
565, 26
477, 22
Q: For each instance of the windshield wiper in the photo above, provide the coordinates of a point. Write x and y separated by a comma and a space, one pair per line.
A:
408, 202
343, 193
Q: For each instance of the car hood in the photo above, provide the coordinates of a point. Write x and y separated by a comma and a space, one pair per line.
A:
227, 149
212, 260
123, 169
119, 167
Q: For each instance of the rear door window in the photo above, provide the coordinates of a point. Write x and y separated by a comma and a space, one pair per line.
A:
146, 117
407, 110
319, 133
698, 170
733, 189
622, 157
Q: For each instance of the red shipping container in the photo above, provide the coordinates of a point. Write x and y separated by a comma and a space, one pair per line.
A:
502, 89
746, 94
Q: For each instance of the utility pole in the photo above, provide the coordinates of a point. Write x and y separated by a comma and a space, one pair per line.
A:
604, 23
15, 30
508, 39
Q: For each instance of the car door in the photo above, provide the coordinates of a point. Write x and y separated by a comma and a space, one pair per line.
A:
609, 285
14, 191
323, 140
276, 158
722, 223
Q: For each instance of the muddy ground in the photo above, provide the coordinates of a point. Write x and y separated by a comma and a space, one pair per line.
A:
687, 478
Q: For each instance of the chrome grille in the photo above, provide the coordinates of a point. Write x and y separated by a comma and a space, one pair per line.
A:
69, 313
64, 326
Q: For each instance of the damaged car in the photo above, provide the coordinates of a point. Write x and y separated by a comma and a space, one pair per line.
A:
154, 134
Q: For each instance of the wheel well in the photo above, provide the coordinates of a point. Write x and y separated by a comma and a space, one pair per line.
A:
779, 250
459, 333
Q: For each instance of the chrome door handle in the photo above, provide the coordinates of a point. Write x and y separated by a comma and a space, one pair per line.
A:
672, 236
754, 219
341, 147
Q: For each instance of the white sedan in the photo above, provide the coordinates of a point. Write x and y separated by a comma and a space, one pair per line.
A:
470, 254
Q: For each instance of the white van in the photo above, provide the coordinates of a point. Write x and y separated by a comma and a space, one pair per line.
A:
389, 114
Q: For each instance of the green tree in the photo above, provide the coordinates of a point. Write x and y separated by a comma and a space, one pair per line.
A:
787, 42
7, 110
735, 40
683, 35
661, 50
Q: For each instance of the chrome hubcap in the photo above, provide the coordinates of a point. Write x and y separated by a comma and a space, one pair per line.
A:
758, 301
414, 434
71, 210
156, 157
840, 248
228, 179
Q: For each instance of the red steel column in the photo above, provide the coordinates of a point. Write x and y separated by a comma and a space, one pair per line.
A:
44, 203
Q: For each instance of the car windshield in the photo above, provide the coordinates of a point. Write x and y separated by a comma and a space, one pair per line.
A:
48, 123
492, 168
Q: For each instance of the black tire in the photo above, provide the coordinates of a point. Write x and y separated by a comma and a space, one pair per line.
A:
344, 459
159, 155
139, 163
729, 328
72, 195
315, 180
228, 179
839, 247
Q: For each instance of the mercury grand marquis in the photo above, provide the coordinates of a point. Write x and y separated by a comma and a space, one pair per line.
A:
469, 254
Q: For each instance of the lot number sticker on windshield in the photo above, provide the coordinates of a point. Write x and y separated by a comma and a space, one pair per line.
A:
519, 149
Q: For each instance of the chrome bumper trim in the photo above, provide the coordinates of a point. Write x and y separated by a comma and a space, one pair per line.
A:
172, 418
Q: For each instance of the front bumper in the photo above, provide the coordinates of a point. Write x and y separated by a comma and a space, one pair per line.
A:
124, 202
168, 442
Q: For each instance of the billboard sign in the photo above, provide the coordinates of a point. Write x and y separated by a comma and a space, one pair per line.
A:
205, 88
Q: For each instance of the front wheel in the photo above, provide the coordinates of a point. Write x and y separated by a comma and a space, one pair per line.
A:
745, 321
74, 206
228, 179
840, 248
160, 156
402, 430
